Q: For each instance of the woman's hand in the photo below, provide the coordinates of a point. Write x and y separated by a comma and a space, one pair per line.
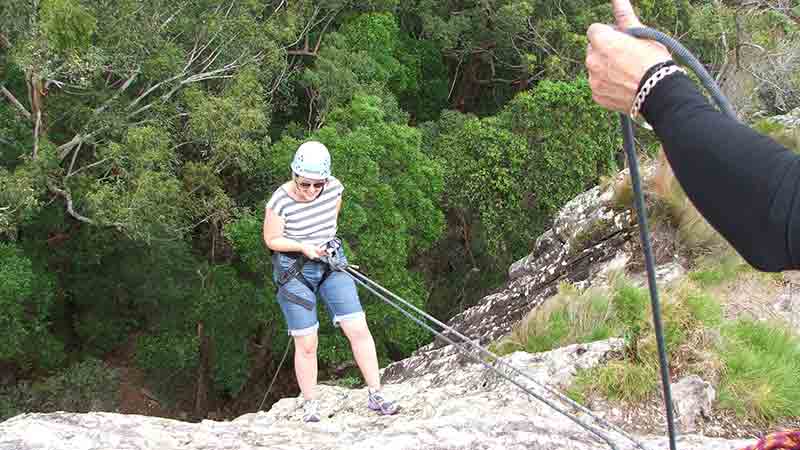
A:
616, 62
313, 251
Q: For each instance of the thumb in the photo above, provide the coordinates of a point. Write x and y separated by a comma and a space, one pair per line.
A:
624, 15
601, 35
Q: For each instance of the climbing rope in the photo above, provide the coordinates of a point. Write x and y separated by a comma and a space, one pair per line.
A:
627, 138
374, 288
275, 377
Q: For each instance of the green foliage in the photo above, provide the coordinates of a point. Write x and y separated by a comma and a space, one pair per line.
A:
167, 353
788, 137
483, 175
366, 54
705, 309
21, 187
142, 195
718, 272
631, 308
762, 362
232, 310
26, 296
67, 24
245, 234
230, 128
563, 160
86, 386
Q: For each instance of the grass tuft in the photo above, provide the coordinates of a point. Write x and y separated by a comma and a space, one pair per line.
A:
762, 371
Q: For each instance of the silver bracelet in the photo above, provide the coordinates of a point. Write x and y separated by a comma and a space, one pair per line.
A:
648, 85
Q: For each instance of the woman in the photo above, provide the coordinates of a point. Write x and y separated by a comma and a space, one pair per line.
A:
300, 219
746, 185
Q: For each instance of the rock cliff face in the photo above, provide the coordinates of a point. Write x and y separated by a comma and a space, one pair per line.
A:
449, 402
456, 406
588, 238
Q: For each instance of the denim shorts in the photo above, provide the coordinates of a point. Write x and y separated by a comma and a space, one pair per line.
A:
299, 303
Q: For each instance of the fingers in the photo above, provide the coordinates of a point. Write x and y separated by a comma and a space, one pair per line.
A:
624, 15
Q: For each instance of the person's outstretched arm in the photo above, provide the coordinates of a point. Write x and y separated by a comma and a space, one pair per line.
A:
745, 184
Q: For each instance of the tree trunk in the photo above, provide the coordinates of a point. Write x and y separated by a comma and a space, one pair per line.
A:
201, 394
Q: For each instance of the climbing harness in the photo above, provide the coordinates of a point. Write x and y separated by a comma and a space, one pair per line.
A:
295, 270
490, 360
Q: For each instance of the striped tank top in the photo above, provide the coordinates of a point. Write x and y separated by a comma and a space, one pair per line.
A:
311, 222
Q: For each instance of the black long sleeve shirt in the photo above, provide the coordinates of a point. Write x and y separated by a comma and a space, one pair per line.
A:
745, 184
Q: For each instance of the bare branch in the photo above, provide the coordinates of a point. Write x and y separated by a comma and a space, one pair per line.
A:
196, 54
64, 149
455, 77
322, 33
228, 12
279, 80
275, 11
59, 84
122, 89
170, 19
8, 95
211, 59
153, 88
4, 42
304, 33
94, 164
65, 194
74, 157
303, 52
70, 207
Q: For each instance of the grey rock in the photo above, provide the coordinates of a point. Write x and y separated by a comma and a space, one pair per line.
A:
693, 398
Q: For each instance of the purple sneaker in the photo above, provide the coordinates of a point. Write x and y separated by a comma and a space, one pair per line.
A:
311, 411
378, 402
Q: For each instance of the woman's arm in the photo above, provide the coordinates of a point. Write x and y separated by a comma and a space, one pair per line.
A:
745, 184
274, 239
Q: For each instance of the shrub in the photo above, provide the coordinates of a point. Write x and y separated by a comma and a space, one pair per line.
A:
569, 317
83, 387
618, 380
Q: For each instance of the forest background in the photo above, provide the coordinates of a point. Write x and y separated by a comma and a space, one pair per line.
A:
139, 141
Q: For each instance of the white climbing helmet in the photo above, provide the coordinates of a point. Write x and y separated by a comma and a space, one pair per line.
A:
312, 160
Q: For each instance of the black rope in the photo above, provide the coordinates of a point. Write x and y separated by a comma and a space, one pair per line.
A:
708, 82
633, 165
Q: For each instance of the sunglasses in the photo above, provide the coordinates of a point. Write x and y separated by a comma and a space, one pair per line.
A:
306, 184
